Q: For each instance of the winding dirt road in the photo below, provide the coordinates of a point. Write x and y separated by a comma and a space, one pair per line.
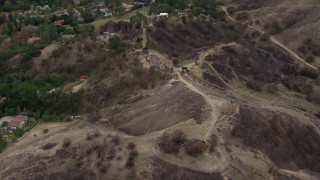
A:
208, 100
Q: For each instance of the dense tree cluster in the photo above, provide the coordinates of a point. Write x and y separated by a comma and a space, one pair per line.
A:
11, 5
3, 143
23, 92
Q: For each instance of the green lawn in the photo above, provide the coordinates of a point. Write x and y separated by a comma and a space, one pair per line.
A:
125, 17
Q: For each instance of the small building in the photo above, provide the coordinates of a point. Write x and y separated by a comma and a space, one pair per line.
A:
42, 8
59, 22
127, 6
54, 90
104, 10
84, 77
163, 15
105, 36
76, 1
18, 122
33, 40
61, 12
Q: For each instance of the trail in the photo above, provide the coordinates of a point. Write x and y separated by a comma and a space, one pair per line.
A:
273, 40
208, 100
202, 60
144, 37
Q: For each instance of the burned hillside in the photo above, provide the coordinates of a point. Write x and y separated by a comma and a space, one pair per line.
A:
261, 65
289, 143
184, 37
126, 30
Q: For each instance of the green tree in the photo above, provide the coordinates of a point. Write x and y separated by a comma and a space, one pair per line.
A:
7, 5
3, 143
87, 16
55, 79
10, 29
26, 95
112, 3
2, 19
70, 11
116, 44
48, 32
138, 19
18, 132
196, 11
4, 124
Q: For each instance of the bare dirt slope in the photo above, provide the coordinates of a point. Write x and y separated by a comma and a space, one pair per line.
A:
166, 107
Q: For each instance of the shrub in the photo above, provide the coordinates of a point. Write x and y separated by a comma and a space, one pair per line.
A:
310, 73
66, 143
195, 148
265, 37
273, 89
306, 89
170, 143
311, 59
35, 53
131, 146
276, 28
231, 10
133, 153
166, 144
314, 96
115, 139
3, 144
213, 142
45, 131
48, 146
242, 15
274, 171
255, 85
178, 136
196, 11
130, 162
4, 124
57, 53
18, 132
92, 135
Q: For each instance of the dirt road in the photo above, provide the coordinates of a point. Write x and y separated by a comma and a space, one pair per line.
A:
144, 36
273, 40
208, 100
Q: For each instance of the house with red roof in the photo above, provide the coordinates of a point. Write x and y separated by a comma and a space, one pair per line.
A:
84, 77
18, 122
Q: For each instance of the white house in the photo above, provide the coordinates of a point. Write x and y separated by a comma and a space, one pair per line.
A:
163, 15
107, 35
